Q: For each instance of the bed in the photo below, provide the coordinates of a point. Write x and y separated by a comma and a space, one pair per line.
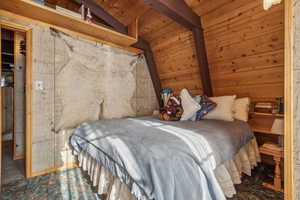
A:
145, 158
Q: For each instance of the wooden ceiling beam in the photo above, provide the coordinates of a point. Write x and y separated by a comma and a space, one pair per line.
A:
177, 10
202, 61
181, 13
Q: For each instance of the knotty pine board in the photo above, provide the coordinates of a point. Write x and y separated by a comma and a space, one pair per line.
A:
230, 11
186, 71
176, 59
255, 62
265, 43
153, 22
206, 6
269, 75
245, 49
126, 11
261, 92
254, 17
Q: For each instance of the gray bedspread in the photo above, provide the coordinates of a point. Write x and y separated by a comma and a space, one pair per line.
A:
163, 160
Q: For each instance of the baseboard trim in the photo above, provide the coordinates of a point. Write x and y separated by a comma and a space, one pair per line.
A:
47, 171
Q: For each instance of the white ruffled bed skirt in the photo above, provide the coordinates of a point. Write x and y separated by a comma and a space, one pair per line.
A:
228, 174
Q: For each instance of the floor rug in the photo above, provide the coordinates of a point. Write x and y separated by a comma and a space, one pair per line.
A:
73, 184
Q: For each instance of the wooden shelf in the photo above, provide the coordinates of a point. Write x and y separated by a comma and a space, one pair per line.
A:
266, 114
30, 9
262, 125
263, 130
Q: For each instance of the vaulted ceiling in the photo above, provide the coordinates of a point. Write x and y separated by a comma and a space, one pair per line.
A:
126, 11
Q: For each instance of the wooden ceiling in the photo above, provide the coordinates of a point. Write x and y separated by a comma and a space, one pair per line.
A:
152, 24
126, 11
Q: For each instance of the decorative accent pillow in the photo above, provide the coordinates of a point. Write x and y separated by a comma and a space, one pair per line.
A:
241, 108
172, 111
223, 110
189, 105
207, 105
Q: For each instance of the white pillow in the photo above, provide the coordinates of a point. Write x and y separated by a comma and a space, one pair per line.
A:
223, 110
241, 108
189, 105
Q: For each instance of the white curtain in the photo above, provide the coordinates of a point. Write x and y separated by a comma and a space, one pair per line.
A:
269, 3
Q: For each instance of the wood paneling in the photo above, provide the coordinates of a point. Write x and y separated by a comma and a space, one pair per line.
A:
245, 48
174, 51
126, 11
175, 56
203, 7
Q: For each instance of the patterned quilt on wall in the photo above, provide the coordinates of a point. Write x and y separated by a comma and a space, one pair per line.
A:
87, 73
81, 72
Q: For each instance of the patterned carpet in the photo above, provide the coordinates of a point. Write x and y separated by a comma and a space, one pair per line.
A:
251, 188
73, 184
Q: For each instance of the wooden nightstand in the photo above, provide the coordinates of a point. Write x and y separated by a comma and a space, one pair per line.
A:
261, 123
277, 153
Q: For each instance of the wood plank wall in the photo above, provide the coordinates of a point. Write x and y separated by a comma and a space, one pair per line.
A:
245, 48
174, 52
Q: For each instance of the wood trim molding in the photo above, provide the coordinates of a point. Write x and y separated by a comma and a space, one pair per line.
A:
49, 15
289, 100
13, 26
15, 156
67, 31
14, 103
28, 107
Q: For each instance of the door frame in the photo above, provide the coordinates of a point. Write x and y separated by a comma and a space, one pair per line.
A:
289, 100
28, 94
15, 156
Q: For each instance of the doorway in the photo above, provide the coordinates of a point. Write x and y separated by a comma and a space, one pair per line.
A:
13, 63
15, 101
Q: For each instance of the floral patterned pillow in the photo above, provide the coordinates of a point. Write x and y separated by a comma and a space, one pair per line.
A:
173, 110
207, 105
